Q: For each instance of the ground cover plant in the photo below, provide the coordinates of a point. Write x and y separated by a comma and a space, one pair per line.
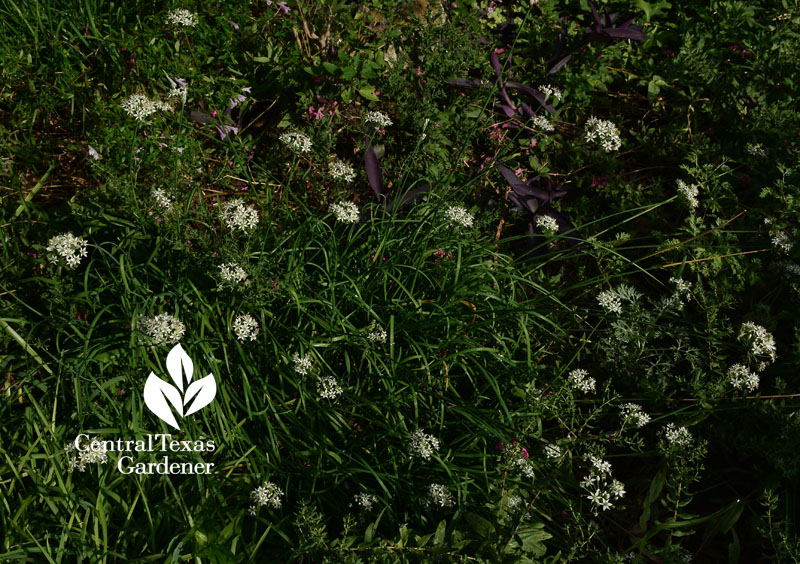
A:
433, 281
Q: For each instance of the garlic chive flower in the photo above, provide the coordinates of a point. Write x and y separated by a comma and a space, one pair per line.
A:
328, 388
232, 274
548, 224
162, 329
755, 150
67, 249
140, 107
677, 436
603, 132
90, 453
580, 380
460, 215
781, 240
440, 496
266, 494
162, 199
377, 334
761, 342
246, 327
542, 123
378, 119
610, 301
552, 451
342, 171
365, 500
689, 193
633, 413
297, 142
236, 215
551, 91
741, 378
346, 212
181, 17
302, 364
423, 444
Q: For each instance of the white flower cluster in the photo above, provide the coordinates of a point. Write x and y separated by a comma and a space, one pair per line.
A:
378, 119
161, 198
551, 91
518, 456
423, 444
689, 193
376, 334
548, 224
610, 301
761, 342
782, 240
182, 17
791, 268
139, 106
237, 215
296, 141
302, 364
580, 380
603, 132
514, 502
342, 171
233, 274
162, 329
460, 215
682, 287
603, 489
633, 413
542, 123
266, 494
439, 495
365, 500
741, 378
346, 212
677, 436
86, 455
178, 92
552, 451
246, 327
755, 149
328, 388
67, 248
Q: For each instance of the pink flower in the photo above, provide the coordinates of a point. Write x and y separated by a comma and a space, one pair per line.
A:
234, 25
316, 114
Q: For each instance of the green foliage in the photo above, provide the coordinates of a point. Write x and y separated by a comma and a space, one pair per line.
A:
517, 351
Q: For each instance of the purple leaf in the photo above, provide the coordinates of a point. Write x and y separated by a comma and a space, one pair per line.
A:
509, 175
626, 33
200, 117
496, 66
565, 227
533, 93
374, 175
409, 197
559, 65
469, 82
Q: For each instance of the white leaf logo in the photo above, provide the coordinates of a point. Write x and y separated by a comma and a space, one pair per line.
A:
159, 395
